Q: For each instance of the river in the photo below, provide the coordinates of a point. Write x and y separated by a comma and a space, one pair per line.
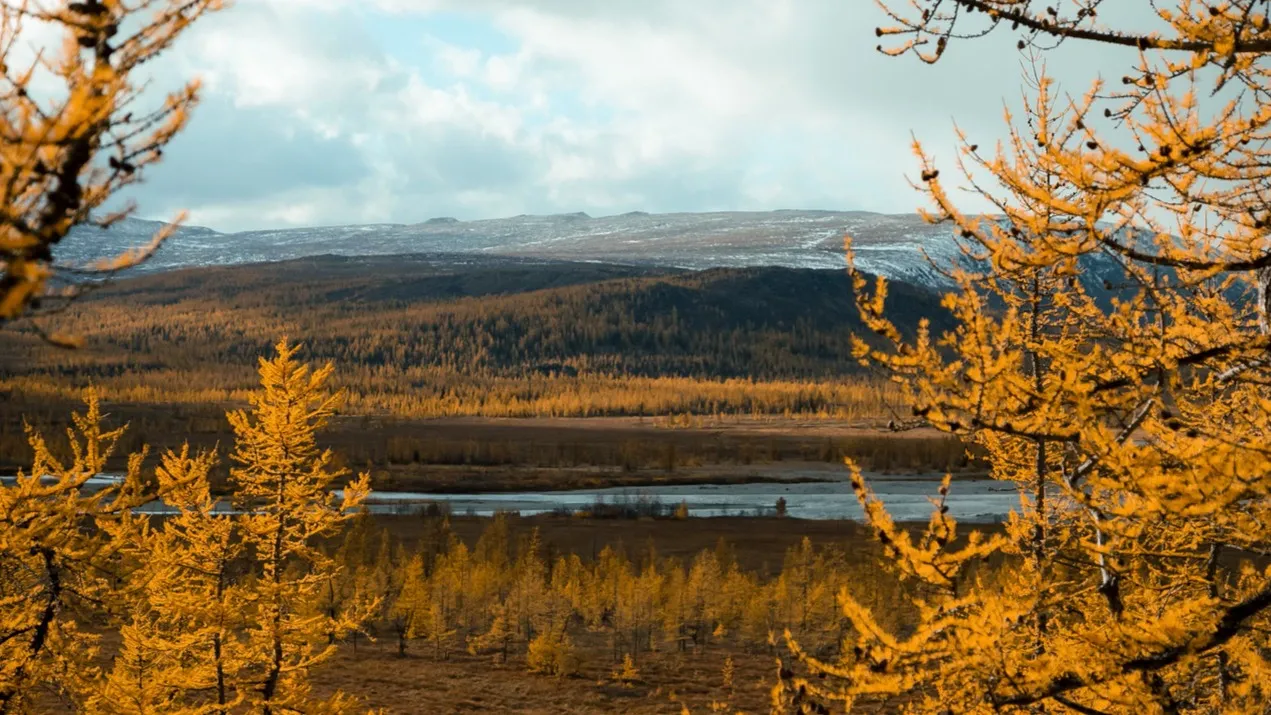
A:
907, 498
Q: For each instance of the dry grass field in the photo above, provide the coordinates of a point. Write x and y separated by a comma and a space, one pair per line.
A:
491, 454
421, 683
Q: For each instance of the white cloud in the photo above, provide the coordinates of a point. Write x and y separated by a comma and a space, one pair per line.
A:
398, 110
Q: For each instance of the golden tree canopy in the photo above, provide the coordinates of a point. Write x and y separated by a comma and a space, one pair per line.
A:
1134, 421
63, 157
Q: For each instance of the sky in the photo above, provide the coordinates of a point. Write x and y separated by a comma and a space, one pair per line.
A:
320, 112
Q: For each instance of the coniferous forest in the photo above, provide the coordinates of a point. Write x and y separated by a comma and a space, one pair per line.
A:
316, 486
420, 337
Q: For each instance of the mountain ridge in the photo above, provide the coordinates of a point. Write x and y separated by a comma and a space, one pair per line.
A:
886, 244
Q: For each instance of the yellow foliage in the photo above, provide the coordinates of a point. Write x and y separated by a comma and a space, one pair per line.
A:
51, 567
681, 511
231, 610
413, 604
429, 391
140, 680
282, 484
1132, 420
64, 159
189, 606
553, 654
216, 611
627, 673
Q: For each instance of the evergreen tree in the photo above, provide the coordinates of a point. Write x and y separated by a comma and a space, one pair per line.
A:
60, 550
282, 484
1135, 429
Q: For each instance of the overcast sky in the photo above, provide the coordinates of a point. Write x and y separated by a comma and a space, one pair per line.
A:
356, 111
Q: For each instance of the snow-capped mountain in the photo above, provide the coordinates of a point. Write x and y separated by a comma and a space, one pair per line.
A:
888, 244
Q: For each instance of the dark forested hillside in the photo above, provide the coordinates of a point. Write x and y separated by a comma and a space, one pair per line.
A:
502, 317
418, 334
383, 280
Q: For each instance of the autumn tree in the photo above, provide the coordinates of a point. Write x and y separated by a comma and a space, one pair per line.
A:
189, 602
138, 682
63, 157
283, 485
438, 611
58, 561
1135, 424
412, 603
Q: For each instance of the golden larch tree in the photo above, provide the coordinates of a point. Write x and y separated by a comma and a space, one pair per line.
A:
63, 157
138, 682
283, 484
1133, 416
188, 600
412, 604
59, 560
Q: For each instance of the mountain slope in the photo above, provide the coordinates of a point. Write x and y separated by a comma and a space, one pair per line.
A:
890, 245
390, 315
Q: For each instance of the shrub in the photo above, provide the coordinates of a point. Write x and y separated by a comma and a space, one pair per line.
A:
552, 654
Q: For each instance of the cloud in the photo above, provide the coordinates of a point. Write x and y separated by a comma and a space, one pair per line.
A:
239, 153
347, 111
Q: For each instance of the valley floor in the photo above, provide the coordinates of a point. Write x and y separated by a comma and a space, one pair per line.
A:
471, 455
423, 683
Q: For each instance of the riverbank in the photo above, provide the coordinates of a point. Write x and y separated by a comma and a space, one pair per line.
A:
464, 455
465, 479
757, 544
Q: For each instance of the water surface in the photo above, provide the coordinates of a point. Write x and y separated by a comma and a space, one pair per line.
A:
907, 498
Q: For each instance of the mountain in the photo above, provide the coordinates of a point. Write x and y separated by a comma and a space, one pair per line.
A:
376, 281
890, 245
392, 319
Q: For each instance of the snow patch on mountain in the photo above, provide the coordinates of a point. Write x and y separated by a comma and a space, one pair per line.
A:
889, 244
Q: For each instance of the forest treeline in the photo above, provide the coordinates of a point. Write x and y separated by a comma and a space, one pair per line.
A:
420, 336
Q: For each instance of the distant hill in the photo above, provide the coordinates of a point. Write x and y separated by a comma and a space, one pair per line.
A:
502, 316
378, 280
897, 246
888, 244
